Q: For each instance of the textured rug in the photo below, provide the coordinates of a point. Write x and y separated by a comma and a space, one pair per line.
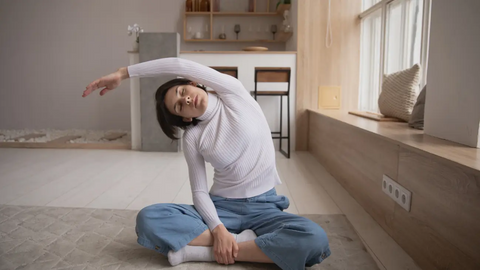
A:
82, 239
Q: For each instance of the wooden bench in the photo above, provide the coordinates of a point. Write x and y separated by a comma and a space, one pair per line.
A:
442, 229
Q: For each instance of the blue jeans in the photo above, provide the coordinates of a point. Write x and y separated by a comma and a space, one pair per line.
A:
290, 241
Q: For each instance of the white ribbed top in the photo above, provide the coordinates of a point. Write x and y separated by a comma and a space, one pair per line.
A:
233, 136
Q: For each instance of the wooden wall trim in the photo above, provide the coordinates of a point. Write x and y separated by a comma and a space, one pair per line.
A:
303, 64
321, 66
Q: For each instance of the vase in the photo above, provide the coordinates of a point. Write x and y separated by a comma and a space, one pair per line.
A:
198, 35
135, 46
279, 3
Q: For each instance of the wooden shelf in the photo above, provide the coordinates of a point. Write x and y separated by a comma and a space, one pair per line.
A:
245, 13
279, 38
233, 13
198, 40
245, 40
281, 8
283, 39
197, 13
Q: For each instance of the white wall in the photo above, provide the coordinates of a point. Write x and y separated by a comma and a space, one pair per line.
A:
452, 109
51, 49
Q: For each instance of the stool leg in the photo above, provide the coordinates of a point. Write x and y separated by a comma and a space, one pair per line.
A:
255, 90
281, 114
288, 125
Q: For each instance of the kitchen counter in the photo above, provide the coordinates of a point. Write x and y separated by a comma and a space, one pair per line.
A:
238, 52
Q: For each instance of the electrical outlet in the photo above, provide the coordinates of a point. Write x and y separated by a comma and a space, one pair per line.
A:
404, 198
398, 193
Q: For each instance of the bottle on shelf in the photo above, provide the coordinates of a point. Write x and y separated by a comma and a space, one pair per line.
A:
190, 35
251, 5
196, 5
189, 6
216, 5
205, 6
207, 29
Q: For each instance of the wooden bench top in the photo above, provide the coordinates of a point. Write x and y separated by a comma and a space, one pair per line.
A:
415, 140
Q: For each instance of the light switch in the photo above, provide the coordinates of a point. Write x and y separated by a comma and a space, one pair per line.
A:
329, 97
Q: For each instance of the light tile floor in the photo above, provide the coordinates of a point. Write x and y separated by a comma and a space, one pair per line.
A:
121, 179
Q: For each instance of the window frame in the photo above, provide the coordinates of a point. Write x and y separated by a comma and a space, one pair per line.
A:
383, 6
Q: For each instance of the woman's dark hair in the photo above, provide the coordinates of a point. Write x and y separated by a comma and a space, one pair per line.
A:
167, 120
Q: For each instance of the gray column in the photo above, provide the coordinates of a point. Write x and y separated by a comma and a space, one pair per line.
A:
452, 108
154, 46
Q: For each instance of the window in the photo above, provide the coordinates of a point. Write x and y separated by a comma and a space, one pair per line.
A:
394, 37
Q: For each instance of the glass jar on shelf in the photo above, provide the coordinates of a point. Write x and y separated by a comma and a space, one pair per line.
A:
205, 6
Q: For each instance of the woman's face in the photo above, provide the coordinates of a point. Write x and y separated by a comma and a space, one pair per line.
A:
186, 101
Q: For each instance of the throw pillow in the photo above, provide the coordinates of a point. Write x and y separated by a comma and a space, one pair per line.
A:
416, 119
399, 92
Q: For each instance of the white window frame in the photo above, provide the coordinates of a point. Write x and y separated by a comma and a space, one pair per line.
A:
383, 4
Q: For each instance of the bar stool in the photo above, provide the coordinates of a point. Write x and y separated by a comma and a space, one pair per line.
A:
276, 74
232, 71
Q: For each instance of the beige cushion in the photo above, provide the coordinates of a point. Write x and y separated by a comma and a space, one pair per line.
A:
399, 91
416, 119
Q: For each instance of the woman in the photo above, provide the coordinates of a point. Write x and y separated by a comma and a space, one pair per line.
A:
230, 132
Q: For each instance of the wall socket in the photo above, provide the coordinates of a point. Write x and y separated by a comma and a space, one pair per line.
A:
398, 193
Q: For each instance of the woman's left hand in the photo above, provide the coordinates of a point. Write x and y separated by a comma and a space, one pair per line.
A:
225, 247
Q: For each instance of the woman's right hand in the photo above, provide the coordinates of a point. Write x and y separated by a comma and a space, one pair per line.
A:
109, 82
225, 247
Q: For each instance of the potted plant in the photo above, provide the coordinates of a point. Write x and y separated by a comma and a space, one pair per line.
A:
280, 2
137, 30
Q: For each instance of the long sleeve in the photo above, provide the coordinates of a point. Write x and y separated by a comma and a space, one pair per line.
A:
198, 182
223, 84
